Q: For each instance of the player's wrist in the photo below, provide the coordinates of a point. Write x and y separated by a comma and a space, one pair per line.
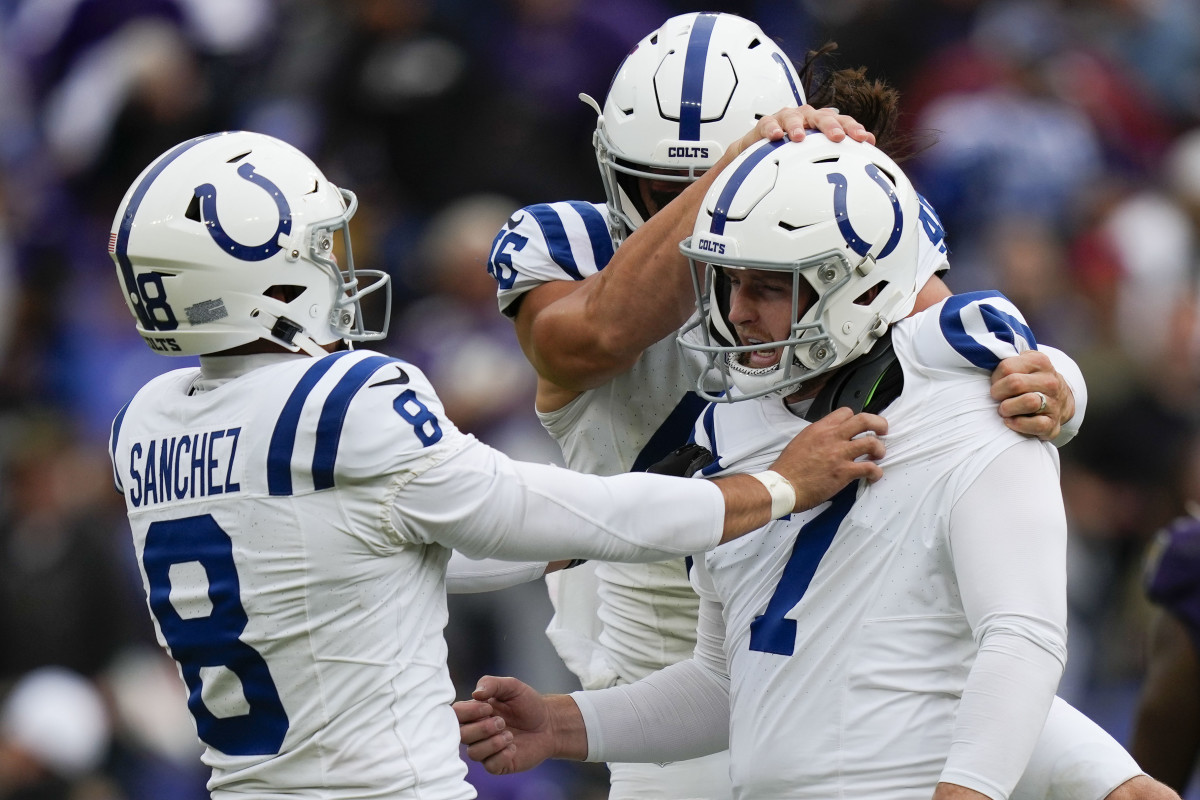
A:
568, 732
783, 493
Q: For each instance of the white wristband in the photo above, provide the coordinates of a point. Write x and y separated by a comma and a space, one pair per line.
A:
783, 494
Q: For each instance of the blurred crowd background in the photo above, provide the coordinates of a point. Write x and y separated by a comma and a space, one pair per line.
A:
1063, 156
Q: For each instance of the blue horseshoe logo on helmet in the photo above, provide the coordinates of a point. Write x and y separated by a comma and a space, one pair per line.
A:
207, 194
856, 242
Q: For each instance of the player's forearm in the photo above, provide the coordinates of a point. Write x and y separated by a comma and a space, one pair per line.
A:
645, 294
648, 277
747, 505
1008, 537
489, 506
1004, 705
678, 713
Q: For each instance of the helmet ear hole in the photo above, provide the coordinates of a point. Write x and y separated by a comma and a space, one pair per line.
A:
867, 297
283, 292
887, 174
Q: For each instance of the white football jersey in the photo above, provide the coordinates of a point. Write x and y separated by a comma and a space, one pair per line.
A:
293, 522
845, 632
617, 623
311, 659
646, 616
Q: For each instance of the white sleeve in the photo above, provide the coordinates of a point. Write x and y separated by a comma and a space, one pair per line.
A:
677, 713
1071, 373
469, 575
710, 624
1008, 541
487, 505
1075, 759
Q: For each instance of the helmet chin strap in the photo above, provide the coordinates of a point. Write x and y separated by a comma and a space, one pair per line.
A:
291, 335
309, 346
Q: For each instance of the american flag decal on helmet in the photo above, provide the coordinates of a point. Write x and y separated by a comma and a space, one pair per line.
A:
112, 243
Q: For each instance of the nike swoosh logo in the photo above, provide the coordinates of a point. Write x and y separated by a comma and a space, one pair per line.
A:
514, 221
399, 380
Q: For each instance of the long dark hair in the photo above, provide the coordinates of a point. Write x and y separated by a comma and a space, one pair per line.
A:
871, 101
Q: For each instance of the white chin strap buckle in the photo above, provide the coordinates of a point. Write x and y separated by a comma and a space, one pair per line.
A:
292, 336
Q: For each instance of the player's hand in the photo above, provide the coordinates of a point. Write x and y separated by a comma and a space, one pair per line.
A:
1020, 383
830, 453
793, 122
510, 727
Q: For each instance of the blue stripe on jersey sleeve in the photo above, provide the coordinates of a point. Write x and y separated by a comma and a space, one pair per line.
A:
556, 238
1003, 326
333, 417
112, 445
597, 230
283, 438
674, 432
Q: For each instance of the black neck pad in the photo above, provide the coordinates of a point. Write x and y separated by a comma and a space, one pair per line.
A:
869, 383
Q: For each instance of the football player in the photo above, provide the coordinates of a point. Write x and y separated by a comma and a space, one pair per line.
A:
597, 293
293, 501
904, 640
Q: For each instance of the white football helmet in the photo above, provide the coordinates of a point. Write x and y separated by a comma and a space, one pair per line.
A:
230, 238
841, 217
680, 97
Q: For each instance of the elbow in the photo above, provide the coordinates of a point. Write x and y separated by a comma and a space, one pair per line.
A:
1025, 636
579, 365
